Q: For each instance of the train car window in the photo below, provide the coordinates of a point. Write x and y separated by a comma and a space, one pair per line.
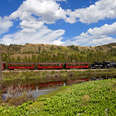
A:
49, 64
20, 64
74, 64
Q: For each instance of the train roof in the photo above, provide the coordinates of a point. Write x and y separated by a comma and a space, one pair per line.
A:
78, 63
53, 63
35, 63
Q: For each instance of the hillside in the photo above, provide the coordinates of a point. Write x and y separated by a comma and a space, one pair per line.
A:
53, 53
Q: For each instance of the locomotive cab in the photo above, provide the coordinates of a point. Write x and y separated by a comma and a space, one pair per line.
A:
96, 65
108, 64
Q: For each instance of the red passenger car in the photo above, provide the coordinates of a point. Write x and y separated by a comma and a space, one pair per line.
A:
50, 66
3, 66
77, 65
13, 66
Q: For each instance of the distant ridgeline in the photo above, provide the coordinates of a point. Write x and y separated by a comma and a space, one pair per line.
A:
52, 53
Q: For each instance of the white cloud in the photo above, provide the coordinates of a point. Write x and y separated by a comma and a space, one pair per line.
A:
34, 14
5, 24
47, 11
33, 35
99, 11
31, 25
96, 36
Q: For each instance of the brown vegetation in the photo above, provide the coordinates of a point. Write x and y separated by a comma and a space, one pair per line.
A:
53, 53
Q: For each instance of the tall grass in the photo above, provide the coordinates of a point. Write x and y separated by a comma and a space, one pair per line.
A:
48, 76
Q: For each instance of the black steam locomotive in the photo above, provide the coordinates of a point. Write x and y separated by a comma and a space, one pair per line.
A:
102, 65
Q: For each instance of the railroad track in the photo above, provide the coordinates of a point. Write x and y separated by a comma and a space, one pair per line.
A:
51, 70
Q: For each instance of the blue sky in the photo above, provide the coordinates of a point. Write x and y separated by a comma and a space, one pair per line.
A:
59, 22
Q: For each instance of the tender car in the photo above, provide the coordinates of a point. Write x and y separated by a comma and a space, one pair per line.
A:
97, 65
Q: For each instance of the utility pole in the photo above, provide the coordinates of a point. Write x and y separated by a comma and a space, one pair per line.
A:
0, 66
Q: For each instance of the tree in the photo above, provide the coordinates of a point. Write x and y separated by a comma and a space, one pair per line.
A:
18, 59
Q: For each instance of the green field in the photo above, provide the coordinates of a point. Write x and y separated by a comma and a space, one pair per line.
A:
94, 98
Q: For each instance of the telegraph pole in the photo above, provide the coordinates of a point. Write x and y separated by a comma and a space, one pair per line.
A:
0, 66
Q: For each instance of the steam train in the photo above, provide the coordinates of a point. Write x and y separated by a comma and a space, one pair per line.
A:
40, 66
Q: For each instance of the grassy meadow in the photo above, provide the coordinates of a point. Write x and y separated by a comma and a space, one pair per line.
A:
93, 98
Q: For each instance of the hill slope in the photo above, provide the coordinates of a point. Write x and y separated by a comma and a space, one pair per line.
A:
53, 53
